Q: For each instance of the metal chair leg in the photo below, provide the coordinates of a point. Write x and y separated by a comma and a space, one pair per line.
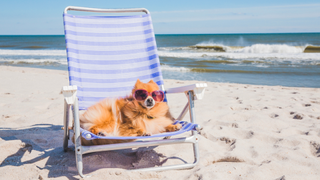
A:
78, 155
193, 120
66, 126
77, 140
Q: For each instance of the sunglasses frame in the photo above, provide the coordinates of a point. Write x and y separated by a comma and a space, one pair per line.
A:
149, 94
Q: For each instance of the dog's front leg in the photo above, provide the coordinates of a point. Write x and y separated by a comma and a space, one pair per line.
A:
172, 128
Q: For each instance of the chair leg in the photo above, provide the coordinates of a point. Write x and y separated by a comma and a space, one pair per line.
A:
184, 112
196, 152
78, 152
77, 139
66, 126
78, 155
193, 120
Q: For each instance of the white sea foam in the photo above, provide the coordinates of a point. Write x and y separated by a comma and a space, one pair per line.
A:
242, 51
269, 48
34, 61
170, 68
298, 56
243, 55
173, 48
255, 52
33, 52
43, 57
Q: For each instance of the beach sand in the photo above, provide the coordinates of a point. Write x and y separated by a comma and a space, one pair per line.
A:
249, 132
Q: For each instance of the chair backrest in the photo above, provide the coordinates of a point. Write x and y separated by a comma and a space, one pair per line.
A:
107, 54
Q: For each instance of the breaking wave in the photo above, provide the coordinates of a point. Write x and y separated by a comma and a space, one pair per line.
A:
256, 51
242, 55
269, 49
258, 48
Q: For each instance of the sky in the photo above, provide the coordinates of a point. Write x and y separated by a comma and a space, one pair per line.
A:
44, 17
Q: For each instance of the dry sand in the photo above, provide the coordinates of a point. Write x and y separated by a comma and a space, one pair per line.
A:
249, 132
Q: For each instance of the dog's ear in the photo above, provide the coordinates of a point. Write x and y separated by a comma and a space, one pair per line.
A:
137, 83
151, 81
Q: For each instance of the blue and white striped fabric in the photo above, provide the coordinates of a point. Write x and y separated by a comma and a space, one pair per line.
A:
185, 128
107, 54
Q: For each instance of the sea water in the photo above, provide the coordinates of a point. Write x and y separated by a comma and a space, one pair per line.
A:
286, 59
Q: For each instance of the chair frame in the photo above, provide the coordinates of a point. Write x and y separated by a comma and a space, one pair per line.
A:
193, 92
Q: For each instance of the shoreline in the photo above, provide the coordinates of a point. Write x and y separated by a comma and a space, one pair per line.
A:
66, 71
249, 132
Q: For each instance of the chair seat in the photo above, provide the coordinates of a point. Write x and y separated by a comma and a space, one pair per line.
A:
186, 126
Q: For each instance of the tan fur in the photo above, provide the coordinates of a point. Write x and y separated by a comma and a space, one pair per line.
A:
127, 117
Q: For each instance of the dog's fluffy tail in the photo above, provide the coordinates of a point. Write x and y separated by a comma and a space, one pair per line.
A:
107, 110
117, 116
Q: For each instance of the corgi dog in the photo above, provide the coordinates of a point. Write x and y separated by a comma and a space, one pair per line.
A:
141, 114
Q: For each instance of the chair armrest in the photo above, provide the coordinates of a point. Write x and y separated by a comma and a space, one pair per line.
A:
198, 89
69, 93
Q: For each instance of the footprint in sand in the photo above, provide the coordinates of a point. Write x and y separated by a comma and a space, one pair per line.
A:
232, 142
254, 153
315, 148
265, 162
305, 133
273, 115
234, 125
315, 102
281, 178
250, 134
298, 116
208, 136
227, 140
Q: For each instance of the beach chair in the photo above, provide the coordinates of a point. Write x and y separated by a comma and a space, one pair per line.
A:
106, 55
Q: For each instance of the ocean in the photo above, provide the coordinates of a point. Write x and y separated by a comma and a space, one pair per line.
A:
286, 59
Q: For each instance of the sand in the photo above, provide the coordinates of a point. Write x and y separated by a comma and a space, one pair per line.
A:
249, 132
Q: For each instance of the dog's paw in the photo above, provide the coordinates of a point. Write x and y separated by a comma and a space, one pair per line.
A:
172, 128
101, 134
178, 127
146, 134
143, 133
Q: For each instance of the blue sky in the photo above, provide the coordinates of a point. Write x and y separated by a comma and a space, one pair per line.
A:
30, 17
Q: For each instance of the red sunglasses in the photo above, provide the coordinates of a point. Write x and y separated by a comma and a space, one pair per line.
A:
141, 95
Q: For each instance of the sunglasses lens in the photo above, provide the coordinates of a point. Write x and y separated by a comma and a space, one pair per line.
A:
158, 96
140, 95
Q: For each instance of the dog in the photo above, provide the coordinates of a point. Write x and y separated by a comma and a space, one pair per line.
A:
141, 114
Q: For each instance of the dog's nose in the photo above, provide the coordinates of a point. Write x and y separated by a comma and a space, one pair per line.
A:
149, 102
